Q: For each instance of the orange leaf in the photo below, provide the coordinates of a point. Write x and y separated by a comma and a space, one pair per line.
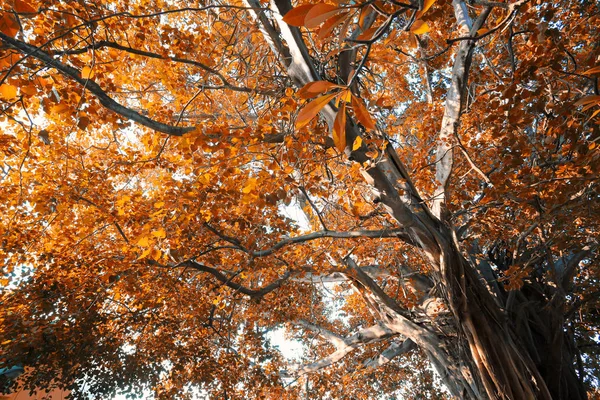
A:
295, 16
339, 128
331, 24
8, 92
362, 114
312, 109
9, 25
594, 70
364, 13
24, 7
368, 34
587, 100
320, 13
312, 89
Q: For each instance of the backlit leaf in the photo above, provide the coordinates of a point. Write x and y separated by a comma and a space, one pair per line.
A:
143, 241
362, 114
312, 89
426, 6
160, 233
8, 92
420, 27
331, 24
87, 73
320, 13
312, 109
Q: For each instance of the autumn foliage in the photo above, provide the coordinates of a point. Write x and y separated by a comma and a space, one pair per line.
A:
408, 190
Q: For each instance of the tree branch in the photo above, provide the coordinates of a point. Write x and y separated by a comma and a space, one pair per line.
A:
106, 43
384, 233
333, 338
394, 350
93, 88
227, 281
454, 104
368, 335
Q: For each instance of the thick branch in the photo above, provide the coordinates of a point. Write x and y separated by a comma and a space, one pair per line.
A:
368, 335
394, 350
227, 281
384, 233
454, 103
333, 338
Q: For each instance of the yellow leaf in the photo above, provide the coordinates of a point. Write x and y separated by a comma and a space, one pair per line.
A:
357, 143
60, 108
160, 233
339, 128
419, 27
155, 254
426, 5
249, 186
143, 242
6, 342
87, 73
8, 92
346, 95
159, 204
145, 253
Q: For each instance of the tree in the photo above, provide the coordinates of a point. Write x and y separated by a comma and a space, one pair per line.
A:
443, 153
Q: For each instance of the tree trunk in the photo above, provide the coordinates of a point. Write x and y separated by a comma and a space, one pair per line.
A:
489, 354
521, 356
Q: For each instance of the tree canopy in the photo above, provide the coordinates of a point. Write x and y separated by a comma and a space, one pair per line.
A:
409, 189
